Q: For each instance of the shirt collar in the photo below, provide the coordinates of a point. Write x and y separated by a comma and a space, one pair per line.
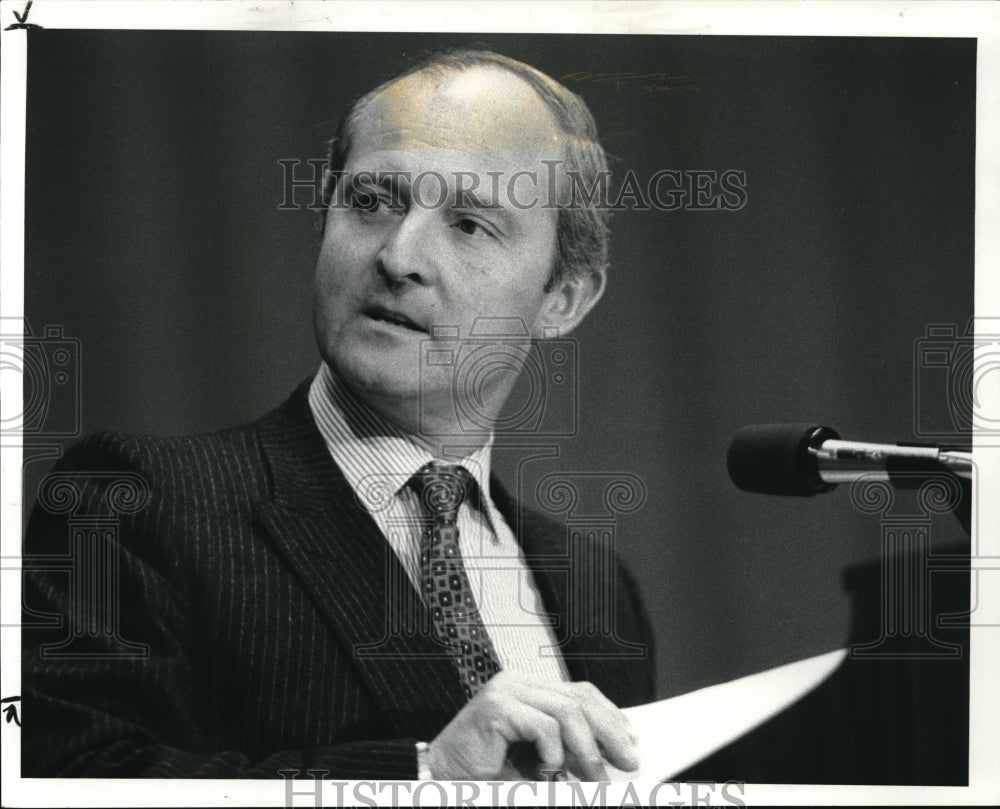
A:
376, 457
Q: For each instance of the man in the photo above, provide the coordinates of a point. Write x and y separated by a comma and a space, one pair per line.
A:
263, 587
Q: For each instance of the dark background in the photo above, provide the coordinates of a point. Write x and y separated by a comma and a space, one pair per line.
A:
154, 237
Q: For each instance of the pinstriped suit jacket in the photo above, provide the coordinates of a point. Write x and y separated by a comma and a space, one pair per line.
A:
273, 618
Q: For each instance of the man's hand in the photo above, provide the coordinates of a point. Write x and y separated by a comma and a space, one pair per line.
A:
572, 725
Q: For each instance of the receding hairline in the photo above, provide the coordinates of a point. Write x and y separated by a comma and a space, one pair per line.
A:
447, 74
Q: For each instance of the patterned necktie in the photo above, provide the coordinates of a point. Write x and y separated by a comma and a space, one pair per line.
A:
442, 488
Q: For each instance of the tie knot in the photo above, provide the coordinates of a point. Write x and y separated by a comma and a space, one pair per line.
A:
442, 487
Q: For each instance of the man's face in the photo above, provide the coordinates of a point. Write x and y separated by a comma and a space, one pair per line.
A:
399, 257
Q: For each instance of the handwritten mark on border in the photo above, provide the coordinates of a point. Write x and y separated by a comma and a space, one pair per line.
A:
10, 710
22, 20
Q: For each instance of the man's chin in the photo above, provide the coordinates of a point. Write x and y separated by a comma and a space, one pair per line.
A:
379, 378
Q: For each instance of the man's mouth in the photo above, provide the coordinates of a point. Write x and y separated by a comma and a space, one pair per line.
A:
384, 315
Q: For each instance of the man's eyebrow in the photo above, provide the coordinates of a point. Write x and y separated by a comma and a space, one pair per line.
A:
387, 179
395, 184
466, 191
392, 179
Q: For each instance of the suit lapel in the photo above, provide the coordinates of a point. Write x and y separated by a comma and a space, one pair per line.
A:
343, 561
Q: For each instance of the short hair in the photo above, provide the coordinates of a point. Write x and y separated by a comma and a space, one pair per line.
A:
582, 225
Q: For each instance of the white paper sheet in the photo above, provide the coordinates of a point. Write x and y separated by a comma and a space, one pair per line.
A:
677, 732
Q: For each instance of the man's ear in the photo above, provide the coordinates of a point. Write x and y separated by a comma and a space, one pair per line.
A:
568, 302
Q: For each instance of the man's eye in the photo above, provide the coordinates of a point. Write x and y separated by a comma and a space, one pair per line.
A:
470, 227
364, 201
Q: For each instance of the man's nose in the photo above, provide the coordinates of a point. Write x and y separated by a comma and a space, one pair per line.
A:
409, 252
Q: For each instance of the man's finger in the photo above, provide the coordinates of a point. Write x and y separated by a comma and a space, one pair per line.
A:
612, 730
575, 728
527, 723
593, 727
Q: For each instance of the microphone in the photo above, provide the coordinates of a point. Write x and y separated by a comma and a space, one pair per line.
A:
805, 459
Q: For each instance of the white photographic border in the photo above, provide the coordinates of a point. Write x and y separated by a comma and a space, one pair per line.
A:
979, 20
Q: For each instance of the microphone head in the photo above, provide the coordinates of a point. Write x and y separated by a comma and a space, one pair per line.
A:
775, 459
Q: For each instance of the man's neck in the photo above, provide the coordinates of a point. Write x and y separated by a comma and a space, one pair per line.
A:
434, 429
428, 430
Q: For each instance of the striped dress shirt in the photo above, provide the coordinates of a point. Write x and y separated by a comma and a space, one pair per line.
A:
378, 461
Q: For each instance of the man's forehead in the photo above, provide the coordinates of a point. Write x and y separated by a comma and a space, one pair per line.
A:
470, 109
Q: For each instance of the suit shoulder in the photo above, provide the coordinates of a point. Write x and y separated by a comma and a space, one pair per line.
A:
167, 463
157, 450
220, 470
